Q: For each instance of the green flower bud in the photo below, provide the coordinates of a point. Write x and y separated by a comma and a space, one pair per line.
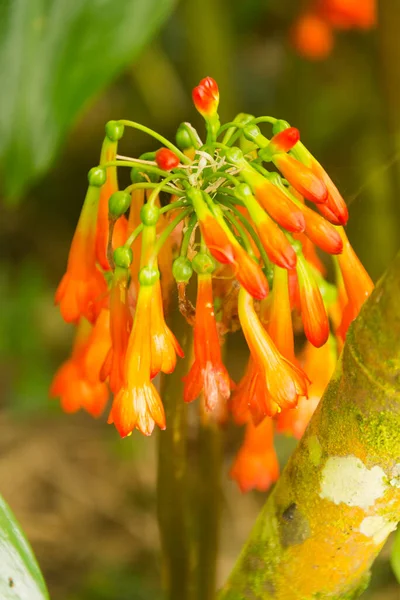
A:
149, 214
97, 176
280, 125
114, 130
234, 155
148, 275
123, 257
118, 204
182, 269
203, 263
183, 138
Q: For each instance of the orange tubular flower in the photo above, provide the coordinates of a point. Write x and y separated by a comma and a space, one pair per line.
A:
137, 404
71, 382
164, 345
120, 325
313, 312
280, 326
256, 465
83, 288
277, 205
208, 373
284, 381
225, 248
335, 209
357, 283
301, 177
322, 233
312, 37
206, 97
319, 364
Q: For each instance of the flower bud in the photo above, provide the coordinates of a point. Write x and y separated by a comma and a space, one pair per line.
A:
123, 257
166, 159
182, 269
206, 97
203, 263
118, 204
253, 134
149, 214
183, 137
97, 176
114, 130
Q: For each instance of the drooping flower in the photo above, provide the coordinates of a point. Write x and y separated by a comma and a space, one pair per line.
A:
225, 248
301, 177
357, 283
208, 373
334, 208
82, 288
120, 326
319, 364
138, 404
312, 308
256, 464
164, 345
277, 205
284, 381
77, 382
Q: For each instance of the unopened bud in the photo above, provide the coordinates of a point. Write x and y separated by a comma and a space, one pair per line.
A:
148, 275
166, 159
149, 214
97, 176
203, 263
114, 130
182, 269
123, 257
118, 204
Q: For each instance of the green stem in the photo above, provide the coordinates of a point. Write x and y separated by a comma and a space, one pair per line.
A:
157, 136
208, 499
172, 492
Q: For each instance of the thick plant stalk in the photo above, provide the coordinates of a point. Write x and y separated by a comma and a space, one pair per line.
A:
339, 496
172, 493
208, 509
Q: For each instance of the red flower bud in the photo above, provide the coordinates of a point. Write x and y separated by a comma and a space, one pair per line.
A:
285, 140
166, 159
206, 97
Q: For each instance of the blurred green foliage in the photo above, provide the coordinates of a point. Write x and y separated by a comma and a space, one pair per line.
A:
55, 56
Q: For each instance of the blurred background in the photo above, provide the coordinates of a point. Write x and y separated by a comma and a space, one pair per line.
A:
85, 498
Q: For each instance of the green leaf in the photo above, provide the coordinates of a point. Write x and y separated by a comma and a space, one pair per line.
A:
395, 557
55, 55
20, 576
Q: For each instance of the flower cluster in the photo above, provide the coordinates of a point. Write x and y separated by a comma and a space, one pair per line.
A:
245, 214
313, 32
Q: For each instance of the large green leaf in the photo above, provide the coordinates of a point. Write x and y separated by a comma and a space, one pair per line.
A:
54, 56
20, 576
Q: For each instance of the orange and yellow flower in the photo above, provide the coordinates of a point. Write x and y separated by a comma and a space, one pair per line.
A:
256, 465
208, 373
138, 405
